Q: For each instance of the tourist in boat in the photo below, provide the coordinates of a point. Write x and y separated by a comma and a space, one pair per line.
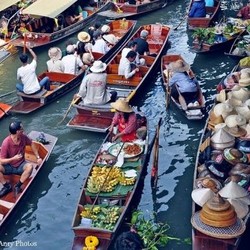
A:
132, 45
27, 74
93, 88
129, 241
55, 64
87, 59
244, 12
186, 85
12, 157
105, 29
83, 45
125, 119
72, 63
100, 45
198, 9
126, 67
142, 44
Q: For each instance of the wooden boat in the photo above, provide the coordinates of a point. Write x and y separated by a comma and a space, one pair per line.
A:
9, 203
232, 52
122, 10
209, 164
4, 108
47, 14
204, 47
204, 22
108, 209
61, 83
192, 113
98, 118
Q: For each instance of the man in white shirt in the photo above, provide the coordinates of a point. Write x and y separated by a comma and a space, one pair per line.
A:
100, 45
72, 63
27, 74
125, 66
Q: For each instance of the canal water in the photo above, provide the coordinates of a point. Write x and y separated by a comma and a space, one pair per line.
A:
44, 219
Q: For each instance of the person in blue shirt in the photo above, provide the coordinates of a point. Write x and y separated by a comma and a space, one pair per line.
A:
198, 9
209, 3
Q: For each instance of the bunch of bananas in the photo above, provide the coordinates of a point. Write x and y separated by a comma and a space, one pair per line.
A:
103, 179
126, 181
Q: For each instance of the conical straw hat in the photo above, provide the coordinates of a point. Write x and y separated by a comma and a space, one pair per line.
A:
241, 208
233, 190
201, 195
222, 136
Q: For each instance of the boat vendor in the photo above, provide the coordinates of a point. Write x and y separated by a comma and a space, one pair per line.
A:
130, 127
127, 67
142, 44
27, 74
12, 157
93, 87
55, 64
187, 86
129, 240
198, 9
244, 12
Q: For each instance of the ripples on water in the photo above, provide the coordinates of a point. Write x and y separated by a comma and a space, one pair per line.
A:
46, 215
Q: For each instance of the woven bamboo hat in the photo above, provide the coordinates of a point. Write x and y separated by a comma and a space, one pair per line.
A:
233, 190
244, 111
241, 94
236, 131
241, 208
244, 77
235, 120
83, 37
121, 105
179, 66
214, 120
208, 182
222, 109
221, 139
222, 96
233, 101
201, 195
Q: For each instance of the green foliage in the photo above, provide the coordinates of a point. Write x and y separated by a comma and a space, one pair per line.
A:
204, 35
154, 235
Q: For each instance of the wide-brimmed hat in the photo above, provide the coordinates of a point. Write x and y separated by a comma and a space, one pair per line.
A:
242, 94
235, 120
234, 156
83, 37
179, 66
55, 53
122, 105
244, 77
214, 120
87, 58
222, 96
110, 38
221, 139
201, 195
236, 131
233, 101
98, 66
222, 109
240, 169
240, 207
233, 190
244, 111
208, 182
105, 28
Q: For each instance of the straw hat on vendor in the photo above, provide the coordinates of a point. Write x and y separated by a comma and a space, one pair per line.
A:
122, 105
179, 66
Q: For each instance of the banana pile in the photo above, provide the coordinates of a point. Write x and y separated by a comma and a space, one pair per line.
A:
106, 178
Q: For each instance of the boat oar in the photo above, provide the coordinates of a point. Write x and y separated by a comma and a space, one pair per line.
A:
154, 170
182, 100
106, 177
8, 93
185, 17
74, 101
168, 91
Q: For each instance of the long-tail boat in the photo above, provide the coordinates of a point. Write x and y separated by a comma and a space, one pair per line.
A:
120, 9
47, 17
108, 191
4, 108
62, 83
9, 203
98, 118
216, 166
192, 113
212, 14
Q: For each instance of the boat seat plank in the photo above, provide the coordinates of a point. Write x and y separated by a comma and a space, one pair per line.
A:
148, 59
112, 69
6, 204
35, 96
121, 80
58, 77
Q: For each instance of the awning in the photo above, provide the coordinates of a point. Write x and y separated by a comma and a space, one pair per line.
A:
48, 8
4, 4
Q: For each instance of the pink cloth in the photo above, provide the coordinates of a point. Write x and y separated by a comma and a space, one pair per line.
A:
9, 149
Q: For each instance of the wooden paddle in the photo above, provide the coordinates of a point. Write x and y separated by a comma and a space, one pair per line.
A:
154, 170
74, 101
185, 17
168, 91
181, 99
8, 93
